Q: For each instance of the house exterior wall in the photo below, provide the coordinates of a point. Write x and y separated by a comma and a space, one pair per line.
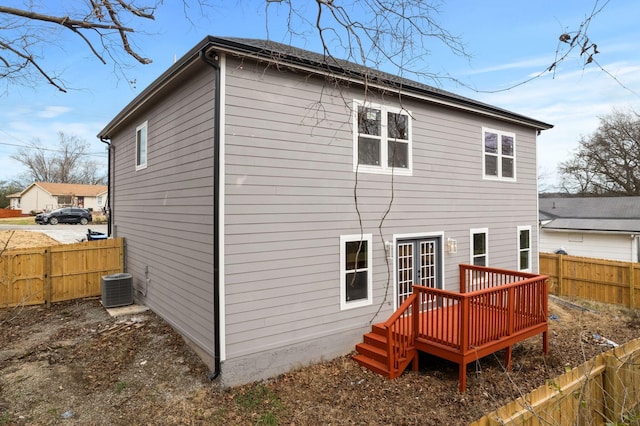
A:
165, 211
588, 244
36, 200
291, 192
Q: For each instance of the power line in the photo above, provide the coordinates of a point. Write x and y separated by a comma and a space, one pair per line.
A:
93, 154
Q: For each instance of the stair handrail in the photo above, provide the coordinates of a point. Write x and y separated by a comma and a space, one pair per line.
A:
401, 331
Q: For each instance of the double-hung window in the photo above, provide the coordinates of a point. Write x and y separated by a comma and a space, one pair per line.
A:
480, 247
355, 271
141, 146
382, 139
524, 248
499, 154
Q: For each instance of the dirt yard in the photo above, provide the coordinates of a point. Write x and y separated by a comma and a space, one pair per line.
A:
21, 239
74, 364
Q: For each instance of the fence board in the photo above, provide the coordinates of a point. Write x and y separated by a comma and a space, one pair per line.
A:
599, 280
600, 391
52, 274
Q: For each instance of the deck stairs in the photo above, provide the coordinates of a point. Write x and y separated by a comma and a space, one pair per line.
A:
373, 354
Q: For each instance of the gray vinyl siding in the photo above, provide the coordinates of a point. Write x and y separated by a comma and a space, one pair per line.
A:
289, 195
165, 211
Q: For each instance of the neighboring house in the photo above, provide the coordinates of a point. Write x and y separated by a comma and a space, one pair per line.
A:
600, 227
14, 201
273, 208
46, 196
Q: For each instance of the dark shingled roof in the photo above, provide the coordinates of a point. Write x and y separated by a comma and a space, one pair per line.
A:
603, 214
321, 64
285, 53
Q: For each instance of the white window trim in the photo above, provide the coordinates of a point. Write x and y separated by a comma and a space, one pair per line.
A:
142, 165
499, 155
343, 281
484, 231
479, 280
383, 168
520, 249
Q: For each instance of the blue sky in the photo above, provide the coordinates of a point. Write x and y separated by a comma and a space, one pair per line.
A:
509, 41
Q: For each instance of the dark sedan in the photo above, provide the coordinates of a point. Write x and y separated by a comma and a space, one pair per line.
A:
65, 215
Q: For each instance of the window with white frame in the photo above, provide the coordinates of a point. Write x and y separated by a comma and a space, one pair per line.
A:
524, 248
499, 154
355, 271
479, 247
382, 139
141, 146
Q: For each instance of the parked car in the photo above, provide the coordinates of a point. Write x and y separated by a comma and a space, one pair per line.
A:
65, 215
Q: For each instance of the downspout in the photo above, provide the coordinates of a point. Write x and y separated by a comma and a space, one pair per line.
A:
107, 205
211, 58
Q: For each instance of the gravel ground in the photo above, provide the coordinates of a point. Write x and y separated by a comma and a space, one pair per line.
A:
66, 234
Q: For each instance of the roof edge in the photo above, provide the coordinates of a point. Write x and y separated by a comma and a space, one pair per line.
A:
232, 45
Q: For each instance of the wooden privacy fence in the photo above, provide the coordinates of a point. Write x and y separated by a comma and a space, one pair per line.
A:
601, 391
599, 280
6, 213
39, 275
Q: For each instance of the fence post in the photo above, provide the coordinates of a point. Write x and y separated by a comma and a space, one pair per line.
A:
560, 274
632, 286
47, 277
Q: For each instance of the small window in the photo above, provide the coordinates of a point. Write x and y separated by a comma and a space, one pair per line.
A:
141, 146
65, 200
480, 247
99, 200
524, 248
499, 154
382, 139
355, 271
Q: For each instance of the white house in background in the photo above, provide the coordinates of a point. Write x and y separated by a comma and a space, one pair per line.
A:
599, 227
41, 196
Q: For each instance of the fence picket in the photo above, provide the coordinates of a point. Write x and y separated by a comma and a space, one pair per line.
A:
52, 274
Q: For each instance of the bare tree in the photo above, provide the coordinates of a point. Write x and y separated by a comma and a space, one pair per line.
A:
100, 24
66, 162
400, 33
607, 161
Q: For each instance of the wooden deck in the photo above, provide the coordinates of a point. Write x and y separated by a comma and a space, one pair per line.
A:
494, 310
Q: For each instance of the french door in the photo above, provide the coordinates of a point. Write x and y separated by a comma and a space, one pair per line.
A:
417, 262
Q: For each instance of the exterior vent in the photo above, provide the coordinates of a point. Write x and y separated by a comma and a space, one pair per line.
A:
117, 290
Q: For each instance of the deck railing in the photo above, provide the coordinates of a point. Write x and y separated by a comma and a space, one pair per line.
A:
494, 305
505, 303
401, 328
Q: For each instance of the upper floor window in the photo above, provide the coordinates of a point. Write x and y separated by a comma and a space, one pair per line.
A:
479, 247
141, 146
499, 154
524, 248
382, 139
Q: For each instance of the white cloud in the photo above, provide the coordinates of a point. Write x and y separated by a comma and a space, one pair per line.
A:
53, 111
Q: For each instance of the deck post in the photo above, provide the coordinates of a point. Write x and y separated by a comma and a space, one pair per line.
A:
415, 311
462, 377
463, 279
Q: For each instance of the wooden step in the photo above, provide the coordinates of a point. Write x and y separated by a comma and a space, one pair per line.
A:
372, 364
372, 352
374, 339
379, 329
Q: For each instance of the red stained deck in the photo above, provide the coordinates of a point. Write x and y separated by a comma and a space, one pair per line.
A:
504, 308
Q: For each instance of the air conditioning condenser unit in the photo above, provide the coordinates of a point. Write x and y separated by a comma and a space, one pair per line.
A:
117, 290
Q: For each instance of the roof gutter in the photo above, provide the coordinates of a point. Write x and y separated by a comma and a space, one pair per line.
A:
337, 71
211, 58
107, 206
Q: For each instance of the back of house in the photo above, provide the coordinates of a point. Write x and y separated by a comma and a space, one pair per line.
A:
275, 202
